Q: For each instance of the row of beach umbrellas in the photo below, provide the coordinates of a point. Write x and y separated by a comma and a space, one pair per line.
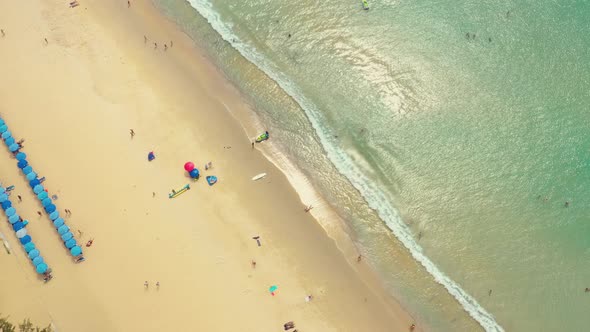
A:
20, 229
48, 205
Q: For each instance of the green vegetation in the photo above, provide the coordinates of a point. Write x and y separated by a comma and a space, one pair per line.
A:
25, 326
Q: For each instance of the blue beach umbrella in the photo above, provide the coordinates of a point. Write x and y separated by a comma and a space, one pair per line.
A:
9, 141
75, 251
50, 209
42, 195
67, 236
21, 233
3, 197
18, 225
13, 147
31, 176
21, 156
63, 229
58, 222
29, 246
6, 134
54, 215
28, 169
25, 240
38, 260
41, 268
34, 253
14, 218
34, 182
46, 201
10, 211
70, 243
6, 205
3, 128
38, 188
22, 163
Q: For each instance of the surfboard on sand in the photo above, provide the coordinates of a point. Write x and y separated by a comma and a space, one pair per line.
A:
176, 193
259, 176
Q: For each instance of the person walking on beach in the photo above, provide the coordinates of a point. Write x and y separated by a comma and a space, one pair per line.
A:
20, 199
254, 265
131, 132
412, 327
2, 32
358, 259
252, 145
146, 284
39, 213
155, 46
157, 284
165, 47
128, 4
46, 42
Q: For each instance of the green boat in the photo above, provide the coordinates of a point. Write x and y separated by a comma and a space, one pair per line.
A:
262, 137
365, 4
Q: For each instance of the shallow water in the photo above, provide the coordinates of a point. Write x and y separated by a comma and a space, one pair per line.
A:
448, 133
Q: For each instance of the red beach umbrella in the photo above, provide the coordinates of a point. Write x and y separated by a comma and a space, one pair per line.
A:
189, 166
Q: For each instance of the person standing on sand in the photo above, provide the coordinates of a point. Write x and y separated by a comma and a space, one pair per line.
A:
157, 284
39, 213
2, 32
46, 42
128, 4
131, 132
252, 145
165, 47
358, 259
412, 327
20, 199
254, 265
155, 46
146, 284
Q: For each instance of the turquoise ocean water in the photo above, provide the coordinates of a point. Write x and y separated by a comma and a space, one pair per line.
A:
447, 134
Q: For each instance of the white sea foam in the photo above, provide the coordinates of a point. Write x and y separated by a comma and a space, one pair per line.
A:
376, 199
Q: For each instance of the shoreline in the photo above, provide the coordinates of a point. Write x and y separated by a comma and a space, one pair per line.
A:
109, 105
336, 228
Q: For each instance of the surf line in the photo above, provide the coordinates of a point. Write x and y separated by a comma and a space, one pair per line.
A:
372, 195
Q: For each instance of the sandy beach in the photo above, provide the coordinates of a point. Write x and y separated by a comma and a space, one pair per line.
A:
74, 100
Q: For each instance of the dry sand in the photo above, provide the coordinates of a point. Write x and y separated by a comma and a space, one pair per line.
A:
74, 100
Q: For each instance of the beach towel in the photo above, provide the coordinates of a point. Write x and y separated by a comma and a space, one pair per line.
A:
211, 180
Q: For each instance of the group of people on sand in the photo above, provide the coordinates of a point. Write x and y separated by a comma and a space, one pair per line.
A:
145, 40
